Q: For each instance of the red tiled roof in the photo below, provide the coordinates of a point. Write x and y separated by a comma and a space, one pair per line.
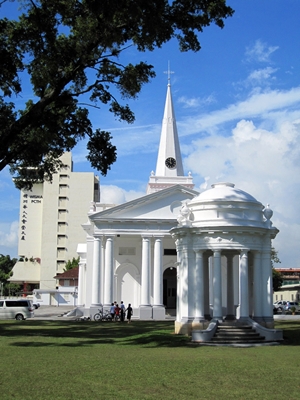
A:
70, 274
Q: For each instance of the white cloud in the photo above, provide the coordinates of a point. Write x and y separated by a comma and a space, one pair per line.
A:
261, 76
194, 102
9, 234
257, 105
260, 51
111, 194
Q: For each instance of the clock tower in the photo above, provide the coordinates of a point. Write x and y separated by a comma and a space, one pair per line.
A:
169, 169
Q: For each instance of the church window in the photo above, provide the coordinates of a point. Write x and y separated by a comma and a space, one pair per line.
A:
126, 251
170, 252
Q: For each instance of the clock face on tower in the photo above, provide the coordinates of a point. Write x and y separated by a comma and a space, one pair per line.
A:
170, 162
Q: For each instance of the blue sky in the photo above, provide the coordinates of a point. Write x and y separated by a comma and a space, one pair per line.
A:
237, 106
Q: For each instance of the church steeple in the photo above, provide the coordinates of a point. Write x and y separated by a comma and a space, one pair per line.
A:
169, 169
169, 162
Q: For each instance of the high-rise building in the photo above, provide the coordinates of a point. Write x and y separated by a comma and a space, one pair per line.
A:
51, 215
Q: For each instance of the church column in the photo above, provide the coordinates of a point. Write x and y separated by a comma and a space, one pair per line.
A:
145, 307
257, 294
199, 287
81, 282
217, 285
108, 271
230, 288
96, 273
158, 307
102, 277
244, 292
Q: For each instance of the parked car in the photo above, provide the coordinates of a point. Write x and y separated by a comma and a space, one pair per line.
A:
18, 309
279, 305
291, 304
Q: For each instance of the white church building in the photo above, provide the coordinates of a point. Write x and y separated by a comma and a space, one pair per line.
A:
205, 257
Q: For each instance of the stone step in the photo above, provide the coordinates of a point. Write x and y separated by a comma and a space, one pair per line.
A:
241, 327
236, 334
236, 338
237, 341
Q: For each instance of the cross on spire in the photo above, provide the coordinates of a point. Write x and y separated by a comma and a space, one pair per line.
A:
169, 72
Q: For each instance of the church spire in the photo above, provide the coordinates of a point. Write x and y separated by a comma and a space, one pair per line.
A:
169, 169
169, 162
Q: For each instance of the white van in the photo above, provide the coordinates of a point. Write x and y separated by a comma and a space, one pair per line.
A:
18, 309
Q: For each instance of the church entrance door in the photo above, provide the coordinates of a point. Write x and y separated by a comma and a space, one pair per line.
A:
170, 288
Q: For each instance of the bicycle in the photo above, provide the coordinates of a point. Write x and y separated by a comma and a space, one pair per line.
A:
98, 316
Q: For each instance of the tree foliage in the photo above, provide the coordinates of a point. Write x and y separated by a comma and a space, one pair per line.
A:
277, 276
70, 264
6, 266
71, 49
277, 280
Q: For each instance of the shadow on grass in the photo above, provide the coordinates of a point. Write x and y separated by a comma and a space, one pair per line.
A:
291, 332
72, 334
140, 333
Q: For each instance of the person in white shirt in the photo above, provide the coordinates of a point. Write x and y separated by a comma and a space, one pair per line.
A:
122, 306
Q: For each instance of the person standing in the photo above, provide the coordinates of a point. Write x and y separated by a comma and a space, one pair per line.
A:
129, 313
117, 312
112, 311
122, 306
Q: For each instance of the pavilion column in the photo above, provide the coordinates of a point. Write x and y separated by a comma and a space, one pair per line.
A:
257, 287
244, 291
230, 288
267, 286
96, 273
217, 286
108, 270
145, 307
199, 287
206, 287
158, 307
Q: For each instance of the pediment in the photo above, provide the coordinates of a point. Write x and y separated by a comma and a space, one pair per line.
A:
162, 205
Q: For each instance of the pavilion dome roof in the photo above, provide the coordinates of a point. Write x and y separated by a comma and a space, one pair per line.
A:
225, 205
225, 191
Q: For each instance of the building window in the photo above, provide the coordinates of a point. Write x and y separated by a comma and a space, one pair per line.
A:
62, 227
126, 251
61, 240
63, 190
62, 202
62, 215
170, 252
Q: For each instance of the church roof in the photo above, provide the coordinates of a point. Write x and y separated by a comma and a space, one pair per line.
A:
162, 205
70, 274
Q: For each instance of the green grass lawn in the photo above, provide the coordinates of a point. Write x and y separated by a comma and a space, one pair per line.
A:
143, 360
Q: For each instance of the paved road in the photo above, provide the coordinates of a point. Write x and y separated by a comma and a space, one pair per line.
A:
59, 312
52, 312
